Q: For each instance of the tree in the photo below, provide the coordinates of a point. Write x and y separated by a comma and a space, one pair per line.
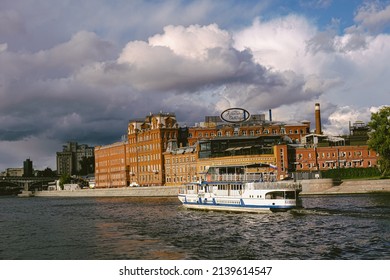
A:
87, 165
379, 139
65, 179
47, 173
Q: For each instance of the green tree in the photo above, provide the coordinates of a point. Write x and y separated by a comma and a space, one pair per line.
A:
87, 165
379, 139
47, 173
65, 179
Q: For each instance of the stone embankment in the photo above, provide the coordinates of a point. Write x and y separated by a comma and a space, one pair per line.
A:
309, 187
114, 192
330, 186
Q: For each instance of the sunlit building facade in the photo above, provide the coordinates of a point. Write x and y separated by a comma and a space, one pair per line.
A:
254, 127
111, 166
158, 152
147, 141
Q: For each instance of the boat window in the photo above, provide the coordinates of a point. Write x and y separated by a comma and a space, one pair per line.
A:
275, 195
290, 195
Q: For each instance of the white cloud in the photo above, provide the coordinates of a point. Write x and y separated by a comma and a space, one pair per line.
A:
340, 120
278, 43
3, 47
194, 41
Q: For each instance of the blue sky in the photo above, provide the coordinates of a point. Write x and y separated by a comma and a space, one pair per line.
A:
79, 70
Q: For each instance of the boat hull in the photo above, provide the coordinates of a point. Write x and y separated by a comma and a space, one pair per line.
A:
229, 204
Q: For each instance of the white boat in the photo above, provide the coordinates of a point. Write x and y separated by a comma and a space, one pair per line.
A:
253, 196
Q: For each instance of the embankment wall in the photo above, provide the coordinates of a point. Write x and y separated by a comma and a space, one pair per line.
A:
309, 187
330, 186
114, 192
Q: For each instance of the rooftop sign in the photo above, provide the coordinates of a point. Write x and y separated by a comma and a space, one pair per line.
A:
235, 115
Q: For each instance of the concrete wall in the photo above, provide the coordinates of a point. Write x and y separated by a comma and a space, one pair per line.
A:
309, 187
328, 186
114, 192
317, 185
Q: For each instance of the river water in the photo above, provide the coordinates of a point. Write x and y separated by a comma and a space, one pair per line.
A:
329, 227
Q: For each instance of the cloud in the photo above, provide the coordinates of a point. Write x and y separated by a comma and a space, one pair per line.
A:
3, 47
37, 90
318, 4
40, 151
373, 16
341, 118
189, 59
11, 22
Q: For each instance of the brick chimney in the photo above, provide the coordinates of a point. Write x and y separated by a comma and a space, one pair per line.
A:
318, 119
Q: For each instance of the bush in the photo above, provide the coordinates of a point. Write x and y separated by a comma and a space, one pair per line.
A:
351, 173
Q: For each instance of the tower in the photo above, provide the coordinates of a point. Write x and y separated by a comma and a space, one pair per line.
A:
318, 118
28, 168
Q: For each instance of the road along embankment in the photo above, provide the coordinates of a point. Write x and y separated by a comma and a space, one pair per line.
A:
331, 186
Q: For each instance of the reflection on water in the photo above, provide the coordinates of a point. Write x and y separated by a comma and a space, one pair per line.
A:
329, 227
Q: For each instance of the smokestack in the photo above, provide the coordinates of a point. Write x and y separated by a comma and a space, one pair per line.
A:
270, 115
318, 118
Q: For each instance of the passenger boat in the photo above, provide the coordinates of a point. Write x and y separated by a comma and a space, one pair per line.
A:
253, 193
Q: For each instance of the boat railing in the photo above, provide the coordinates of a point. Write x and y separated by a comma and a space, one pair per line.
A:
276, 185
242, 177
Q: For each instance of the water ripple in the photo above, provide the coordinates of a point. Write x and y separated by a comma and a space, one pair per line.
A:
337, 227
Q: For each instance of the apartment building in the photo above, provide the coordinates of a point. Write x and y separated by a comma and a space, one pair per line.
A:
68, 160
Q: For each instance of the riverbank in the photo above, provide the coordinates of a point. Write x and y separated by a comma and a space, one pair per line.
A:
159, 191
309, 187
334, 187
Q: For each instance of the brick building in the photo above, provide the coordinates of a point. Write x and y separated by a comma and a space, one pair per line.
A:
159, 152
180, 164
111, 166
147, 141
254, 127
332, 157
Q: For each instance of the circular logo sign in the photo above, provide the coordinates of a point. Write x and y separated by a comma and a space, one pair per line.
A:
235, 115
